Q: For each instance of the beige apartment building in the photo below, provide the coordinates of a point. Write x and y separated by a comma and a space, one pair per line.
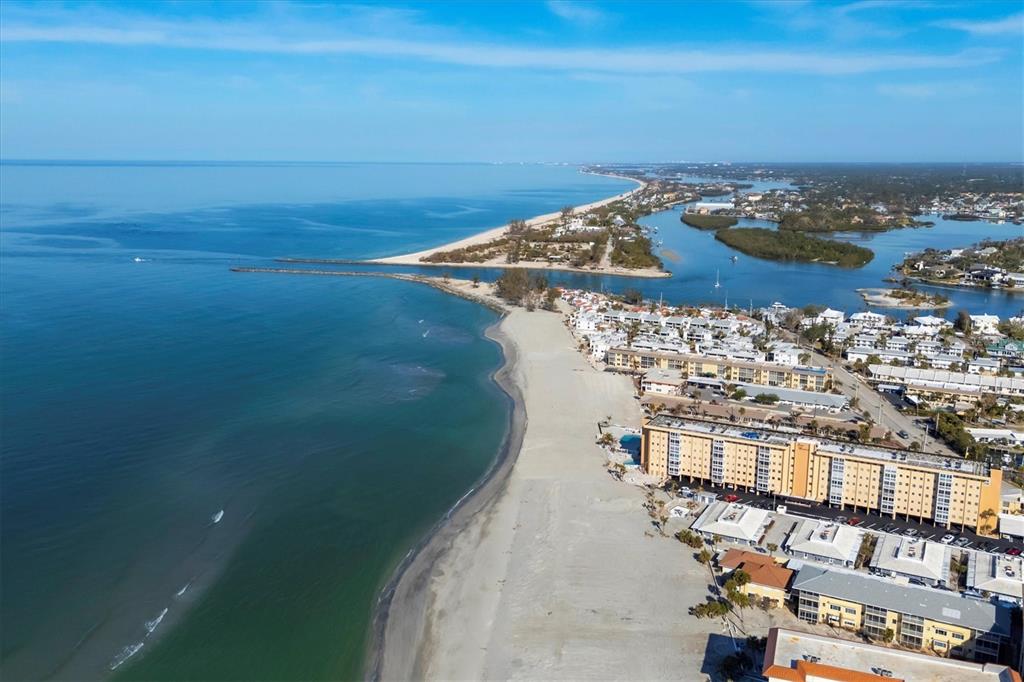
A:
947, 491
727, 369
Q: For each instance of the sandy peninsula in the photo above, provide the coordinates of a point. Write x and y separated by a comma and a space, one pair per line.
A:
551, 570
489, 235
884, 298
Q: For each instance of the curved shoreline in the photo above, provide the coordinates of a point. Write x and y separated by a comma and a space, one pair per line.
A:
490, 234
406, 591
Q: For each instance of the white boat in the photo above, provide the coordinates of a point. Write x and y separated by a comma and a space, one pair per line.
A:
218, 516
718, 284
139, 260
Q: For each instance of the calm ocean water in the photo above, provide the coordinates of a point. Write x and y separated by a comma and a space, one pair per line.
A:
146, 388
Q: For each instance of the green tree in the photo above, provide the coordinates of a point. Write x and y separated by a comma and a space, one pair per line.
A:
963, 322
513, 285
766, 398
632, 332
632, 296
551, 298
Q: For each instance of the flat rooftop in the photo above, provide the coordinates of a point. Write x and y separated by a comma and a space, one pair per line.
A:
768, 436
825, 539
732, 520
912, 557
787, 647
996, 573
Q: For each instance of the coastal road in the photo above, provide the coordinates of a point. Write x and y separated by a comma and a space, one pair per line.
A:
883, 412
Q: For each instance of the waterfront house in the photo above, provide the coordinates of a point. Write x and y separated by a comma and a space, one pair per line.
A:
985, 324
868, 320
768, 579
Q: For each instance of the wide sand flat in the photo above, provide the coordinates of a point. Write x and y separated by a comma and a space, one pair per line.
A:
558, 578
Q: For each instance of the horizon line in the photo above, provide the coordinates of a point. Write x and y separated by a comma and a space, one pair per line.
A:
143, 161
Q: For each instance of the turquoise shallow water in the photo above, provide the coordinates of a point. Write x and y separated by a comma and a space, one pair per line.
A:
333, 420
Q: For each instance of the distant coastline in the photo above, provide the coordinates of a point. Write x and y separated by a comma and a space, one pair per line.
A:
490, 234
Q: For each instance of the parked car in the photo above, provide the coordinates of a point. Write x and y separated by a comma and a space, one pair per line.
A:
854, 521
731, 498
840, 519
962, 542
888, 528
910, 532
903, 434
947, 538
1014, 551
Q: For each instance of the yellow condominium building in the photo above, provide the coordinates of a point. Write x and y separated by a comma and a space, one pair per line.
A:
727, 369
914, 617
899, 483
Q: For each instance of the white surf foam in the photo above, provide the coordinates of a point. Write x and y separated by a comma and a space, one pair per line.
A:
155, 623
125, 654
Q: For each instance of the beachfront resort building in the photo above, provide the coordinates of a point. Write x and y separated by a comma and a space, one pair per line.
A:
794, 656
898, 483
915, 617
726, 367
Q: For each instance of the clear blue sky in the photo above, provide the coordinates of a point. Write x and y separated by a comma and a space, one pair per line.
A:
550, 81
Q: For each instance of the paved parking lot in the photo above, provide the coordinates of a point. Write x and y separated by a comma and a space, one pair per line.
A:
874, 522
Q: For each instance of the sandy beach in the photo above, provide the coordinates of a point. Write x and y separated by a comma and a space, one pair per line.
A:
553, 570
497, 232
882, 298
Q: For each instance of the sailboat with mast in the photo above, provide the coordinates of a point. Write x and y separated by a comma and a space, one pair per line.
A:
718, 283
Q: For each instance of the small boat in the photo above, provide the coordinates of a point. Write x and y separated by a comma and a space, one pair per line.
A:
734, 258
718, 283
218, 516
138, 260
